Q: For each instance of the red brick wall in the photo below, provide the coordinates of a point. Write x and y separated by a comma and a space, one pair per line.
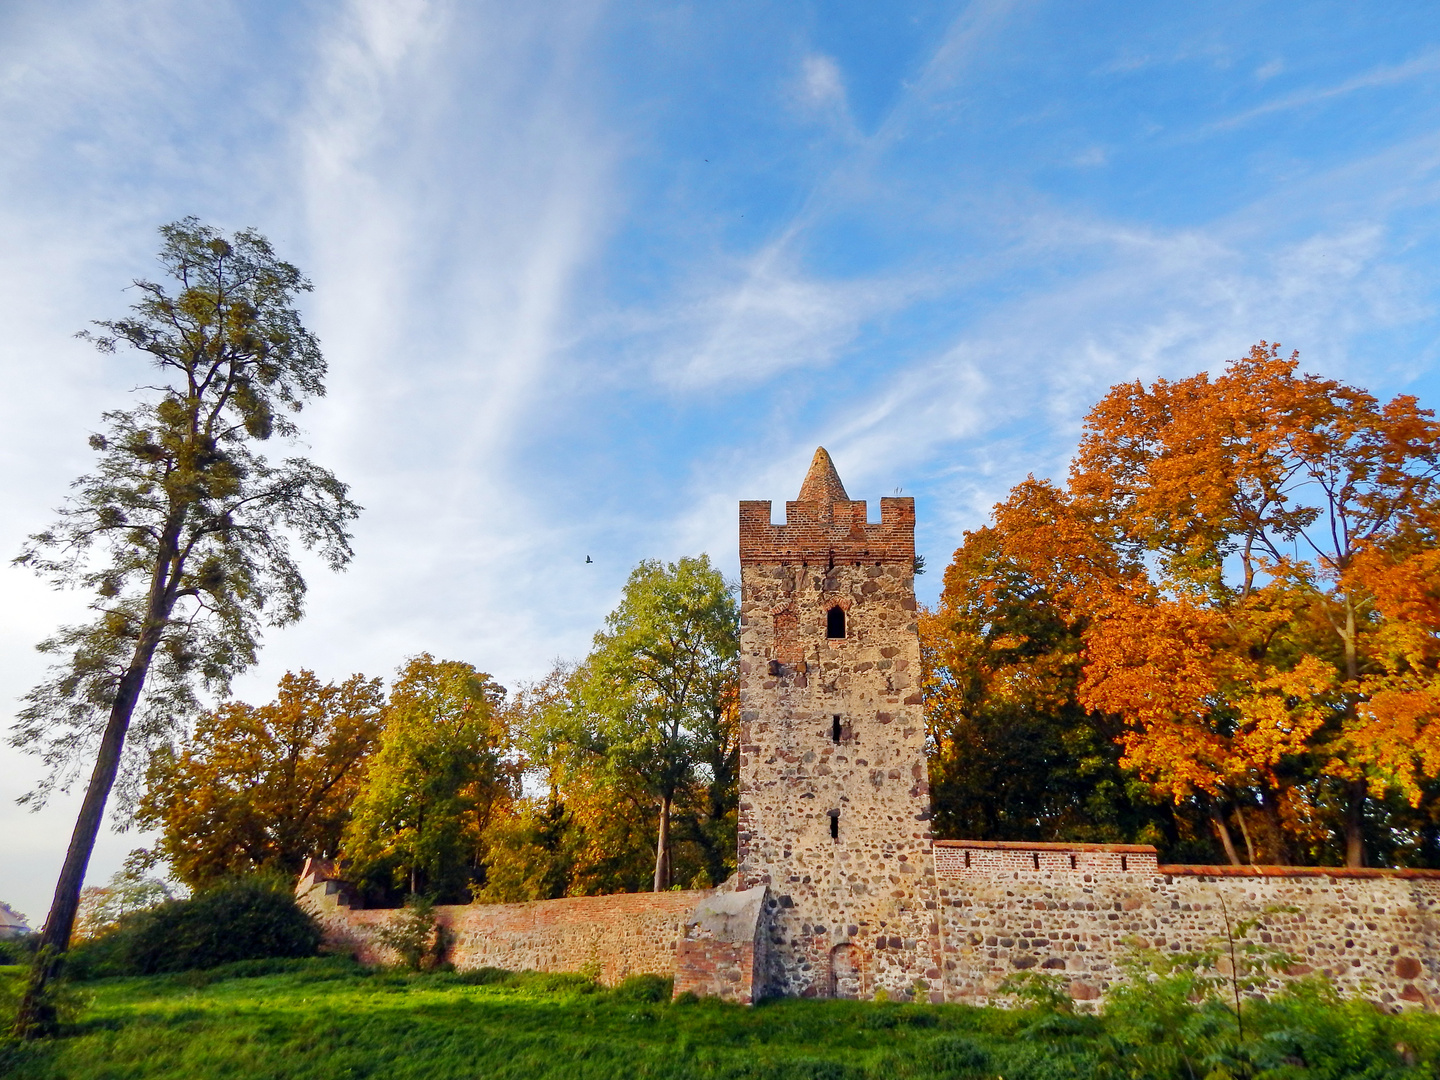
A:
723, 969
818, 532
959, 858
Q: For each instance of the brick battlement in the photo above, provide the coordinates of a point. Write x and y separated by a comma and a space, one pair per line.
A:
958, 858
818, 532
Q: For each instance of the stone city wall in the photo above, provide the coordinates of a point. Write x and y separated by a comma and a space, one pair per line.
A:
613, 936
1373, 933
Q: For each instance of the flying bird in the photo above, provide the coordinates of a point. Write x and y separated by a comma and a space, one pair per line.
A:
589, 559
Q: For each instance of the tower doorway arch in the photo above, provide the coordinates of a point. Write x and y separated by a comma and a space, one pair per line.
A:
847, 971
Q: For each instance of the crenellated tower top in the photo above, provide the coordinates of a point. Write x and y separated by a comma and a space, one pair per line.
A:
824, 525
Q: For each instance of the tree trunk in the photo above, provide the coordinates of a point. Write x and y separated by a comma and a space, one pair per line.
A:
1355, 824
1276, 848
1245, 833
1355, 811
1218, 824
36, 1017
662, 849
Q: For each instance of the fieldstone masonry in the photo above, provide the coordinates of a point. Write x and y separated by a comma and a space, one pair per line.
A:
834, 797
841, 890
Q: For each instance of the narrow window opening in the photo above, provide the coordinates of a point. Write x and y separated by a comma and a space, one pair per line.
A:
1073, 863
1036, 856
834, 824
967, 860
835, 729
835, 622
1124, 863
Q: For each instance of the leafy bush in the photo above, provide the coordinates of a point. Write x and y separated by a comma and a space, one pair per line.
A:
649, 989
243, 919
414, 935
18, 950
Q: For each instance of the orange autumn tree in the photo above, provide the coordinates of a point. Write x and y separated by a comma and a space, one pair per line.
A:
257, 788
1257, 619
1013, 753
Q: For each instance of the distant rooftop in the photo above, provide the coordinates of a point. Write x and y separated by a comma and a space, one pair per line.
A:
12, 923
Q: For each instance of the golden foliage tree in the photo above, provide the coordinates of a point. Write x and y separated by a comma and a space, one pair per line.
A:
1013, 753
1254, 552
260, 787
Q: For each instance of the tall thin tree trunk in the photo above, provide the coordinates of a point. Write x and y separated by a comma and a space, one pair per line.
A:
1355, 810
1278, 844
1218, 824
662, 848
1245, 832
34, 1017
1355, 824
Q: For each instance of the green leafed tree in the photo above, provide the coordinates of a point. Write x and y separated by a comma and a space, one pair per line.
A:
430, 791
183, 533
658, 687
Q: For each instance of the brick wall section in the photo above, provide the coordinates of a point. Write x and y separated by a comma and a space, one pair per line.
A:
814, 531
619, 935
958, 858
722, 969
1375, 933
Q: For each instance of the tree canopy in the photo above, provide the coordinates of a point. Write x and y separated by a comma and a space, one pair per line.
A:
1254, 555
429, 793
260, 788
657, 688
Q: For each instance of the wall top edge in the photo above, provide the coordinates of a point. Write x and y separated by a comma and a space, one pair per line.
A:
1188, 870
1021, 845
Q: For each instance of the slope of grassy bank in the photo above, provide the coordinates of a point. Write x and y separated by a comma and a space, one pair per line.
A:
328, 1018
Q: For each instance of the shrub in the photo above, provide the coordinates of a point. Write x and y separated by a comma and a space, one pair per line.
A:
18, 950
414, 935
242, 919
649, 989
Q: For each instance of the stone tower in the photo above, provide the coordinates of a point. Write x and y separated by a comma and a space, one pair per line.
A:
834, 801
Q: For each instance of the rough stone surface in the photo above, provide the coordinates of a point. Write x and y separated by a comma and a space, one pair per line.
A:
834, 801
610, 936
1374, 933
724, 946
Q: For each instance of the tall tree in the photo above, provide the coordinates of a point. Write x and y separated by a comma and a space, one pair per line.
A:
1228, 538
657, 686
259, 788
1256, 491
182, 533
1013, 753
431, 790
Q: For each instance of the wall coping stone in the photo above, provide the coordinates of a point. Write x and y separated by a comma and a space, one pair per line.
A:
1025, 845
1196, 870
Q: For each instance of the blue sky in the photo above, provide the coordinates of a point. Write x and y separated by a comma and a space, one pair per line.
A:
588, 274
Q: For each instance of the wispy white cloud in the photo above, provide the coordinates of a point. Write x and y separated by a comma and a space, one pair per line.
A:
775, 318
1427, 63
821, 85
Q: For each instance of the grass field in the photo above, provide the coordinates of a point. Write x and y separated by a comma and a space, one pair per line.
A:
328, 1018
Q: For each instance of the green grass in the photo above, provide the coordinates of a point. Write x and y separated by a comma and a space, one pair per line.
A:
328, 1018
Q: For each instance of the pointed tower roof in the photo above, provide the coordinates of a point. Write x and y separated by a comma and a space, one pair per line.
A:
822, 483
